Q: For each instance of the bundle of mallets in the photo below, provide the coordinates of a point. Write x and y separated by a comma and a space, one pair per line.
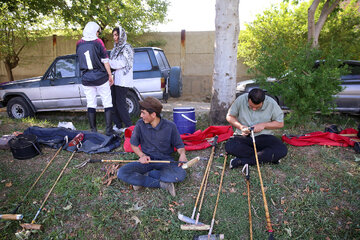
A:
194, 224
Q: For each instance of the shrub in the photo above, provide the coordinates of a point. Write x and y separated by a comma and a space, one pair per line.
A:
305, 80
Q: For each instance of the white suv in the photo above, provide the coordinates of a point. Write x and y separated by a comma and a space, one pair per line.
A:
60, 87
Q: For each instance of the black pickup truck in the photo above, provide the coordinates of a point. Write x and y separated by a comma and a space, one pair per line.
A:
60, 87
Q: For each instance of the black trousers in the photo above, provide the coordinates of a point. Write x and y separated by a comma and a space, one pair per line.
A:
120, 107
269, 148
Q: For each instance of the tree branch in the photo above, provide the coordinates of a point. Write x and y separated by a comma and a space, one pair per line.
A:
326, 10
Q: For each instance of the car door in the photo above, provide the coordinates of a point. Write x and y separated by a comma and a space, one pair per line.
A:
60, 87
349, 98
147, 75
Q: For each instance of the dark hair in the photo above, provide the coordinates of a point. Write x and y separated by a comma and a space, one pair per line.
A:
150, 111
116, 30
256, 95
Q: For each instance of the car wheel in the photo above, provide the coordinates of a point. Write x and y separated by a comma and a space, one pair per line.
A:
18, 108
133, 103
175, 82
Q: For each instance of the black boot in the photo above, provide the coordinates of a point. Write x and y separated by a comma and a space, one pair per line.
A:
92, 120
108, 121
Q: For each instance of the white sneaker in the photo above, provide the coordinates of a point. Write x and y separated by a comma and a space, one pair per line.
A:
137, 188
118, 130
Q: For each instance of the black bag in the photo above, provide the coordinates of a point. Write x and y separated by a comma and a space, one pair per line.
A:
24, 146
357, 147
332, 129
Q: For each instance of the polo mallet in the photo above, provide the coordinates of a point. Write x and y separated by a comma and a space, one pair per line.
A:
75, 142
217, 198
36, 181
267, 215
184, 166
191, 220
246, 171
202, 190
207, 177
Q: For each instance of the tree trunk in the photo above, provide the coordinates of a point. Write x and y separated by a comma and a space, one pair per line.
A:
314, 29
225, 59
9, 72
11, 62
311, 22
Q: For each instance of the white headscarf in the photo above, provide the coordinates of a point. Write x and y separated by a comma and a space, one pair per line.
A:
90, 30
123, 51
119, 47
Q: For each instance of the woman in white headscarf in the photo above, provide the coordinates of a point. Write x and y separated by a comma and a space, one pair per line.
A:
121, 59
96, 75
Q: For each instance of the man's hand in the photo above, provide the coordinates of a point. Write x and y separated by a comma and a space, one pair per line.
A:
244, 130
259, 127
182, 157
144, 159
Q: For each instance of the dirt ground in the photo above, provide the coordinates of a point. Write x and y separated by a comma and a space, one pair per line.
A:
200, 107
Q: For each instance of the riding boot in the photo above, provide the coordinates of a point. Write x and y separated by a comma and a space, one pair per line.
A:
108, 121
92, 120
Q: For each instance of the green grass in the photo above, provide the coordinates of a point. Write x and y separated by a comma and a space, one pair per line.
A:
314, 193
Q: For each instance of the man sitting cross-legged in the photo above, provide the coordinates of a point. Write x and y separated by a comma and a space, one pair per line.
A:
157, 137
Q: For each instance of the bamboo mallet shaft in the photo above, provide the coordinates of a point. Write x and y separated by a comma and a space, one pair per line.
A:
218, 196
52, 188
249, 203
268, 221
11, 216
201, 188
204, 187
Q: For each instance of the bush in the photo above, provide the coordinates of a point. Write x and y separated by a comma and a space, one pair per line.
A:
304, 86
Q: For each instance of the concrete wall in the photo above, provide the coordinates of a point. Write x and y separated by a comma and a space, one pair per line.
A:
197, 60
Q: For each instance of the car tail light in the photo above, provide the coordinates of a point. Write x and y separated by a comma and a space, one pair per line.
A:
163, 82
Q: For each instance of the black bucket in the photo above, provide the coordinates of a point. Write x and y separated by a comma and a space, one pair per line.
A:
24, 146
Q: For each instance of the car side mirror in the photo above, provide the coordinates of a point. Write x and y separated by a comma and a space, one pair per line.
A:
58, 75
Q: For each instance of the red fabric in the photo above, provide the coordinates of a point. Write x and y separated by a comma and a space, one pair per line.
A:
322, 138
196, 141
128, 133
200, 139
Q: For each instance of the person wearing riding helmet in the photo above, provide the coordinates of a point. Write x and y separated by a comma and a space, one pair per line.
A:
96, 74
121, 60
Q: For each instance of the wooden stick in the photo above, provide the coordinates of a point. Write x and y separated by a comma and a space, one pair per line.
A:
205, 184
195, 227
201, 188
11, 216
128, 161
267, 215
217, 198
249, 203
